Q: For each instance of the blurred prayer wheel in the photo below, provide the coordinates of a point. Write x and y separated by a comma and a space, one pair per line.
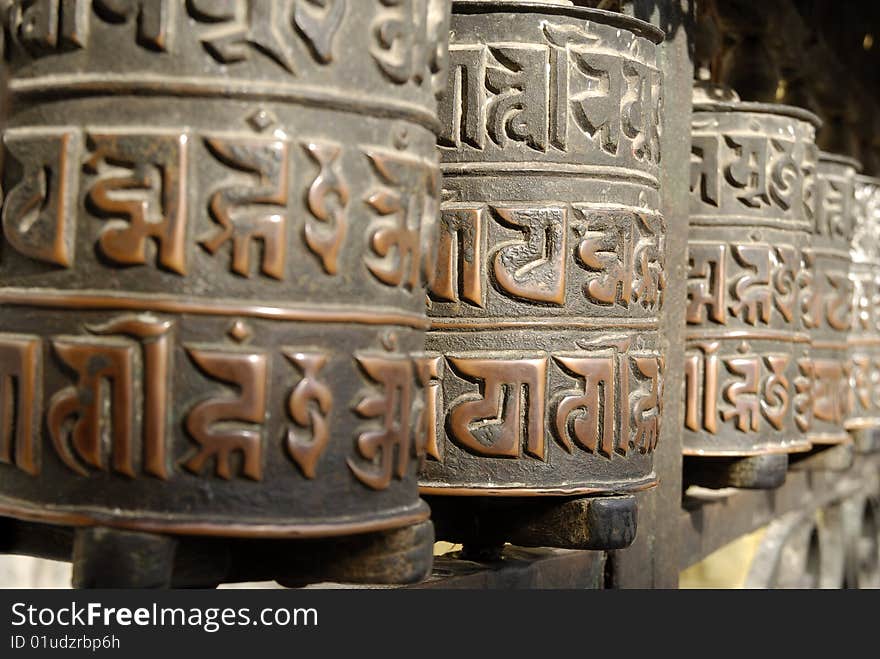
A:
826, 308
548, 280
864, 386
214, 222
748, 374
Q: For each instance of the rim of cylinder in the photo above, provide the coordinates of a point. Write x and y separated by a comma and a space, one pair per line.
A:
635, 25
868, 180
215, 525
753, 107
747, 452
436, 488
840, 159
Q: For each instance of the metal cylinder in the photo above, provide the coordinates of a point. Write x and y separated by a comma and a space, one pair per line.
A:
548, 281
211, 273
827, 296
747, 368
864, 386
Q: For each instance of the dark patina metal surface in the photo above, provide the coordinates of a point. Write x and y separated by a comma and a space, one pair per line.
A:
214, 220
549, 276
748, 375
864, 386
826, 309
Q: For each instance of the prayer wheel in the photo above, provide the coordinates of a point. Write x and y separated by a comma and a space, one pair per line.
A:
544, 297
214, 222
748, 374
826, 311
864, 385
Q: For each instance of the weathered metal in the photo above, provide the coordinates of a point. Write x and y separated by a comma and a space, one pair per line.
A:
214, 221
826, 307
747, 372
864, 386
549, 278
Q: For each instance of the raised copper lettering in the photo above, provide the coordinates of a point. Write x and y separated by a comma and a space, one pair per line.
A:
429, 370
141, 179
532, 269
463, 112
255, 211
45, 26
389, 447
154, 18
327, 199
21, 367
743, 393
519, 81
587, 417
459, 269
401, 200
214, 422
309, 406
507, 416
113, 360
39, 218
707, 283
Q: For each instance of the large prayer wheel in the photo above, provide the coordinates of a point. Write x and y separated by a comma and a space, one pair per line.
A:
748, 374
549, 276
214, 222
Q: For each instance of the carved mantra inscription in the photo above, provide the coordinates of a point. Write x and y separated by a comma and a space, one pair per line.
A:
119, 412
752, 295
864, 402
757, 170
760, 286
618, 254
750, 283
406, 37
604, 402
566, 93
744, 390
136, 183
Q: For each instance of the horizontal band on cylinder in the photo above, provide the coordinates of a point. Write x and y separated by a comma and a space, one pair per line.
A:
864, 340
87, 516
751, 107
829, 252
131, 301
794, 447
83, 84
862, 423
728, 220
756, 335
829, 437
839, 159
548, 169
428, 489
543, 323
829, 345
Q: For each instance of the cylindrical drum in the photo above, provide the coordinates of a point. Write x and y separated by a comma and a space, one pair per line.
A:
748, 375
864, 412
548, 281
211, 273
827, 296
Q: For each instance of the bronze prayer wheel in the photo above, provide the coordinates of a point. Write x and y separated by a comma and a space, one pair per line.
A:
748, 376
549, 275
826, 311
214, 223
864, 414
